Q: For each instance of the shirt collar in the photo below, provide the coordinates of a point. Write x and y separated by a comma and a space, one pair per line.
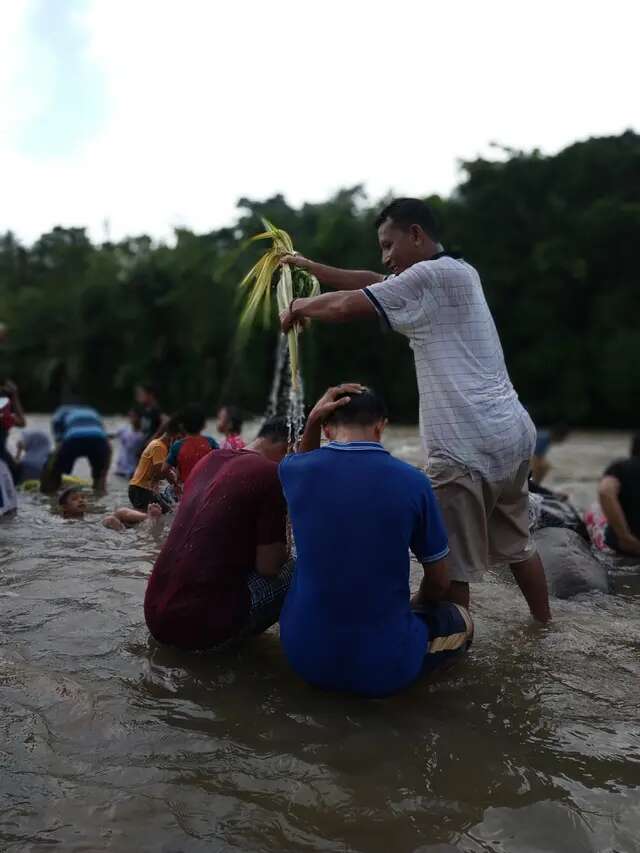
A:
355, 445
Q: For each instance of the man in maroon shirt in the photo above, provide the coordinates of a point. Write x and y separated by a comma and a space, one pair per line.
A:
221, 574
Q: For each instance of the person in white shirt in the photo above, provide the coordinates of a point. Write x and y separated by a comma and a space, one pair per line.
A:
477, 436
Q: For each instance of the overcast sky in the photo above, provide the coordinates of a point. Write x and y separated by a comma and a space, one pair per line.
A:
154, 113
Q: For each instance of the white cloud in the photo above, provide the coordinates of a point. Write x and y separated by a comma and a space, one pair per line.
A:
206, 102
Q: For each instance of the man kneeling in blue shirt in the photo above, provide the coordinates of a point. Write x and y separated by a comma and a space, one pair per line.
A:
348, 622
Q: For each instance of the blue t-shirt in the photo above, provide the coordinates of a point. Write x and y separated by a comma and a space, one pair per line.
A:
356, 511
76, 422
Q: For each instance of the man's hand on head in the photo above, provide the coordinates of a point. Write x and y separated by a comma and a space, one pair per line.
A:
334, 398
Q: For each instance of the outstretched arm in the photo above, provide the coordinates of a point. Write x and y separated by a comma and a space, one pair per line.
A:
337, 307
335, 277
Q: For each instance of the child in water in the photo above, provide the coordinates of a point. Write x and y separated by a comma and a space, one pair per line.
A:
229, 423
73, 504
131, 440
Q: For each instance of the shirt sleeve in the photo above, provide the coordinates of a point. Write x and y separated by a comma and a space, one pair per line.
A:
403, 301
158, 454
429, 542
272, 518
172, 458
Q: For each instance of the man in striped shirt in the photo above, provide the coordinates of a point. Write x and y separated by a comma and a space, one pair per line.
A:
477, 436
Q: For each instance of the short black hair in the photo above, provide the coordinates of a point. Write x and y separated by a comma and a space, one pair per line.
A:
276, 430
65, 494
193, 418
406, 212
174, 425
235, 417
364, 409
635, 445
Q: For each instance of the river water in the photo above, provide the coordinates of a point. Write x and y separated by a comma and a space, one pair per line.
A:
110, 742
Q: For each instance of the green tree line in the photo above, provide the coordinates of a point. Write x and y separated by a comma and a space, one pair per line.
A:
553, 238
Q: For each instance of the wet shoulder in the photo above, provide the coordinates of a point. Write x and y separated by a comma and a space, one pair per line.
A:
248, 461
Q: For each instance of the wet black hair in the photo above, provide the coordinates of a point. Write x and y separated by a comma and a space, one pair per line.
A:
635, 445
65, 494
364, 409
235, 417
193, 418
275, 429
405, 212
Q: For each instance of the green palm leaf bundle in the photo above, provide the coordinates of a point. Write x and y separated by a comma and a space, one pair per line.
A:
269, 274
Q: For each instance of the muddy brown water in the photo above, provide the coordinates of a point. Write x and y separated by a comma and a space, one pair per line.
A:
112, 743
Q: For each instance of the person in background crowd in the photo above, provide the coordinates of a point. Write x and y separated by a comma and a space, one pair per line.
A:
132, 442
148, 408
33, 451
229, 424
619, 494
222, 575
79, 434
185, 453
145, 483
477, 436
349, 622
540, 465
11, 414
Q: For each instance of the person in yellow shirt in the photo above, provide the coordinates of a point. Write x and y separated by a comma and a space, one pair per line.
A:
144, 485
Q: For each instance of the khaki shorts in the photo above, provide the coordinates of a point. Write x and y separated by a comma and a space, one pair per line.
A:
487, 523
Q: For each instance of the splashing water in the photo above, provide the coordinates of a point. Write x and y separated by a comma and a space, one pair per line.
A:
276, 401
286, 399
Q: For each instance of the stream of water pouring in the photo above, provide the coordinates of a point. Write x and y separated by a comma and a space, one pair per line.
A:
285, 399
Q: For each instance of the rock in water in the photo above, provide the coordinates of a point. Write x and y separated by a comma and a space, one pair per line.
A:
569, 565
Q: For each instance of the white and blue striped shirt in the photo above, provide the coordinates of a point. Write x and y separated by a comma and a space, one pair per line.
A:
469, 411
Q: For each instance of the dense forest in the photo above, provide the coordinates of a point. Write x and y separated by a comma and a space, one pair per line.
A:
553, 238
